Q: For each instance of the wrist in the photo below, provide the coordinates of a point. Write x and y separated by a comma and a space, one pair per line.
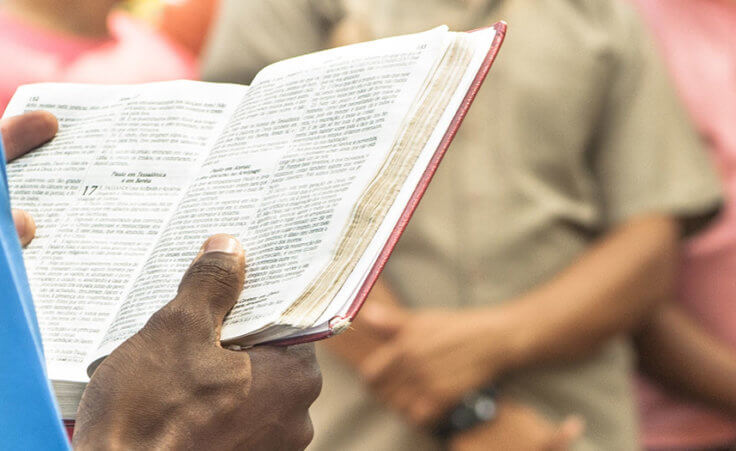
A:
119, 440
514, 338
114, 435
477, 407
93, 439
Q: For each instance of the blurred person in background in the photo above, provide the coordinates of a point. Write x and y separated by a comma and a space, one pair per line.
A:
85, 41
147, 10
549, 234
698, 40
188, 22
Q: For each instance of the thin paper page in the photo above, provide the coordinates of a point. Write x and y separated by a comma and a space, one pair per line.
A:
284, 175
481, 42
358, 106
100, 193
455, 91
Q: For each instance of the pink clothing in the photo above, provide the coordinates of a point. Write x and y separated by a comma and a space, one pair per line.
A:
134, 53
698, 39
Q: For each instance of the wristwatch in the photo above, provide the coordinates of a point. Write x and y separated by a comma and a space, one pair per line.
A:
477, 407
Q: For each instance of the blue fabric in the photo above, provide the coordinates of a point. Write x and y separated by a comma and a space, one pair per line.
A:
29, 416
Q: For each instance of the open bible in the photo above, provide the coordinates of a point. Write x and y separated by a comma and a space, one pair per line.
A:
316, 167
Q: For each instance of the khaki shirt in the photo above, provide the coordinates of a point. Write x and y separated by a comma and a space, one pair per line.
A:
576, 130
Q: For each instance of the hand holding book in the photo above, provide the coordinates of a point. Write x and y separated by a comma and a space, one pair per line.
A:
173, 365
214, 398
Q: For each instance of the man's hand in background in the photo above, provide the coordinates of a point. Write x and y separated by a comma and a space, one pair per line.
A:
172, 385
20, 135
423, 362
432, 358
520, 428
515, 426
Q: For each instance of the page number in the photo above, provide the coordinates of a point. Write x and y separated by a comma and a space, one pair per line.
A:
89, 189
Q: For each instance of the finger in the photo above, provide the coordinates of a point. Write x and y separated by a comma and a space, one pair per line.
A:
389, 369
385, 372
424, 412
567, 434
23, 133
380, 320
399, 378
309, 369
25, 226
400, 401
375, 367
289, 376
211, 285
298, 435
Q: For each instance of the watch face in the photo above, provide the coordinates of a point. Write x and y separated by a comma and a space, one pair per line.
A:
476, 408
485, 408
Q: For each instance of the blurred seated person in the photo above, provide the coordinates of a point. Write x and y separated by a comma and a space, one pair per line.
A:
547, 237
84, 41
188, 22
698, 40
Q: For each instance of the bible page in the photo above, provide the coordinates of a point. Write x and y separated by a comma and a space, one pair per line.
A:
374, 219
451, 90
100, 193
312, 131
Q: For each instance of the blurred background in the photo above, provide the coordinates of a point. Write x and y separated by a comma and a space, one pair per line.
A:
577, 249
185, 21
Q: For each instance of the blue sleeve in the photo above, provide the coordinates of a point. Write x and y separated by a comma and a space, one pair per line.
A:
29, 416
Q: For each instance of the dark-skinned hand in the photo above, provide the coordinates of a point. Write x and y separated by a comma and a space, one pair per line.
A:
173, 386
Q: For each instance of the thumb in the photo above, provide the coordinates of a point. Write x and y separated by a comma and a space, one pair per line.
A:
210, 287
25, 226
567, 434
383, 320
21, 134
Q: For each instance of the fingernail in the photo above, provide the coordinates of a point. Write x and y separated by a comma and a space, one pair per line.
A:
223, 243
20, 218
24, 224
